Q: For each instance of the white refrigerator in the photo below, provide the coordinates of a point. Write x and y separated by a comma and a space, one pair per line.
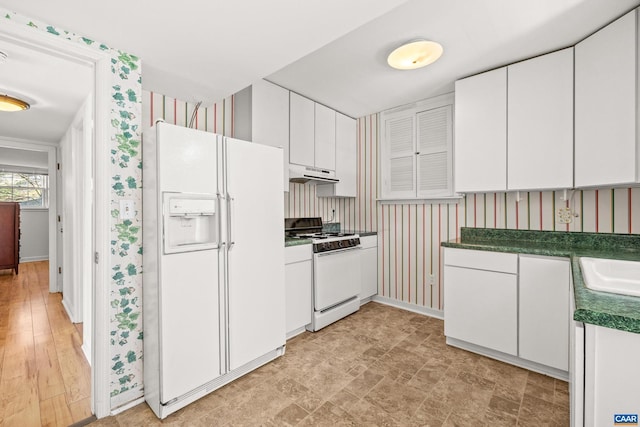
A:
213, 262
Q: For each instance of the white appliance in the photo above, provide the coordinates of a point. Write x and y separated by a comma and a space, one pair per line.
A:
302, 174
337, 277
213, 284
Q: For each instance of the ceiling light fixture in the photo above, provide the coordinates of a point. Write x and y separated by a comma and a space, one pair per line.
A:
9, 103
415, 54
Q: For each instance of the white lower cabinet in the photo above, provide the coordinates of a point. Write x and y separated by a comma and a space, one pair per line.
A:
612, 376
481, 304
543, 331
298, 273
517, 305
369, 265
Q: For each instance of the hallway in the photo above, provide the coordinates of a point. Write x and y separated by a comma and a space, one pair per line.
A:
44, 376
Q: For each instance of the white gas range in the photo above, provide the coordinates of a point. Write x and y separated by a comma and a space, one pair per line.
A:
336, 270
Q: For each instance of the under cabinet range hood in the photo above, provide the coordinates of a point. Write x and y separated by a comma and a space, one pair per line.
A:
302, 174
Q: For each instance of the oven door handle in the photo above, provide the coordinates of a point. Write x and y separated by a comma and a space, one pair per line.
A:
337, 251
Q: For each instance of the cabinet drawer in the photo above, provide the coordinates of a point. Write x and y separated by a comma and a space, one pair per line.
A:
482, 260
297, 253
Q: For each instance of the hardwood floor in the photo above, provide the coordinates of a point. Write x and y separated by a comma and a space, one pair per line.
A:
44, 376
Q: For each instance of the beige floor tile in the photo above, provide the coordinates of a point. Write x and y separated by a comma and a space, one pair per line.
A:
400, 401
381, 366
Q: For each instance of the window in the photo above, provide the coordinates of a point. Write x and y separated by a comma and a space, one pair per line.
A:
31, 190
416, 151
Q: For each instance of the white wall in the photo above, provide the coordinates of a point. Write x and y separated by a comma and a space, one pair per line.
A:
23, 158
34, 238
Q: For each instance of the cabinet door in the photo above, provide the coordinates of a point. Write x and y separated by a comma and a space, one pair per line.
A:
612, 375
481, 308
325, 137
270, 119
369, 264
540, 116
544, 311
301, 130
346, 160
480, 152
605, 105
298, 277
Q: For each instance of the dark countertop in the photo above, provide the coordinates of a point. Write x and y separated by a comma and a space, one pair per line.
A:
363, 233
290, 241
599, 308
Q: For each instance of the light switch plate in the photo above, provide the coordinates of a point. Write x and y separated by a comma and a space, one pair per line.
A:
127, 209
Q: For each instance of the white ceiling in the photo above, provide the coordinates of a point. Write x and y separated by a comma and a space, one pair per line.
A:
333, 51
55, 88
351, 74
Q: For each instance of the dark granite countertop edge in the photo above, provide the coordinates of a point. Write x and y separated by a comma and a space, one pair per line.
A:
593, 307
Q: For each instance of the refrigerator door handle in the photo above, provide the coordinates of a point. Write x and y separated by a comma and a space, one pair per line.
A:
229, 220
219, 221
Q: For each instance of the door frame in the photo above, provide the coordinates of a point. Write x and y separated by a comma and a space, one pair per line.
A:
101, 63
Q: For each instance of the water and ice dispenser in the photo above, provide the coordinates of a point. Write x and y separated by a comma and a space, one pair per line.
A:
190, 222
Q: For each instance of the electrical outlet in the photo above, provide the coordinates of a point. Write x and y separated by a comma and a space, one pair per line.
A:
565, 215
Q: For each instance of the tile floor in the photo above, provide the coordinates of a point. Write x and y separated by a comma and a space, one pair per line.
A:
378, 367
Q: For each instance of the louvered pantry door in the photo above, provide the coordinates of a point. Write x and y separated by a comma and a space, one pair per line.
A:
434, 162
399, 179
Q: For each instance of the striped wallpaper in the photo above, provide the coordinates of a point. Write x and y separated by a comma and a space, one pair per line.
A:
409, 234
217, 118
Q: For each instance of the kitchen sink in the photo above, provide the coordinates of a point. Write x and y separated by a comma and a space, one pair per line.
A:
611, 275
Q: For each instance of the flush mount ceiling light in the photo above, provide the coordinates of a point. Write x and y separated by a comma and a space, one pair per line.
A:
415, 54
9, 103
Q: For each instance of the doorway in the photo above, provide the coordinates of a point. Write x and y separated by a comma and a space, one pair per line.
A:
95, 231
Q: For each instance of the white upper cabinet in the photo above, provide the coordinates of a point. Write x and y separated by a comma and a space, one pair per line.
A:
301, 130
346, 160
480, 152
270, 117
540, 122
312, 134
514, 126
607, 151
262, 116
325, 137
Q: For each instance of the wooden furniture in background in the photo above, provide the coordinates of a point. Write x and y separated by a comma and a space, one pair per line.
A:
9, 235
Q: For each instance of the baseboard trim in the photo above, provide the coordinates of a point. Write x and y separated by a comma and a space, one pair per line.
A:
119, 409
510, 359
84, 422
438, 314
69, 314
34, 258
296, 332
